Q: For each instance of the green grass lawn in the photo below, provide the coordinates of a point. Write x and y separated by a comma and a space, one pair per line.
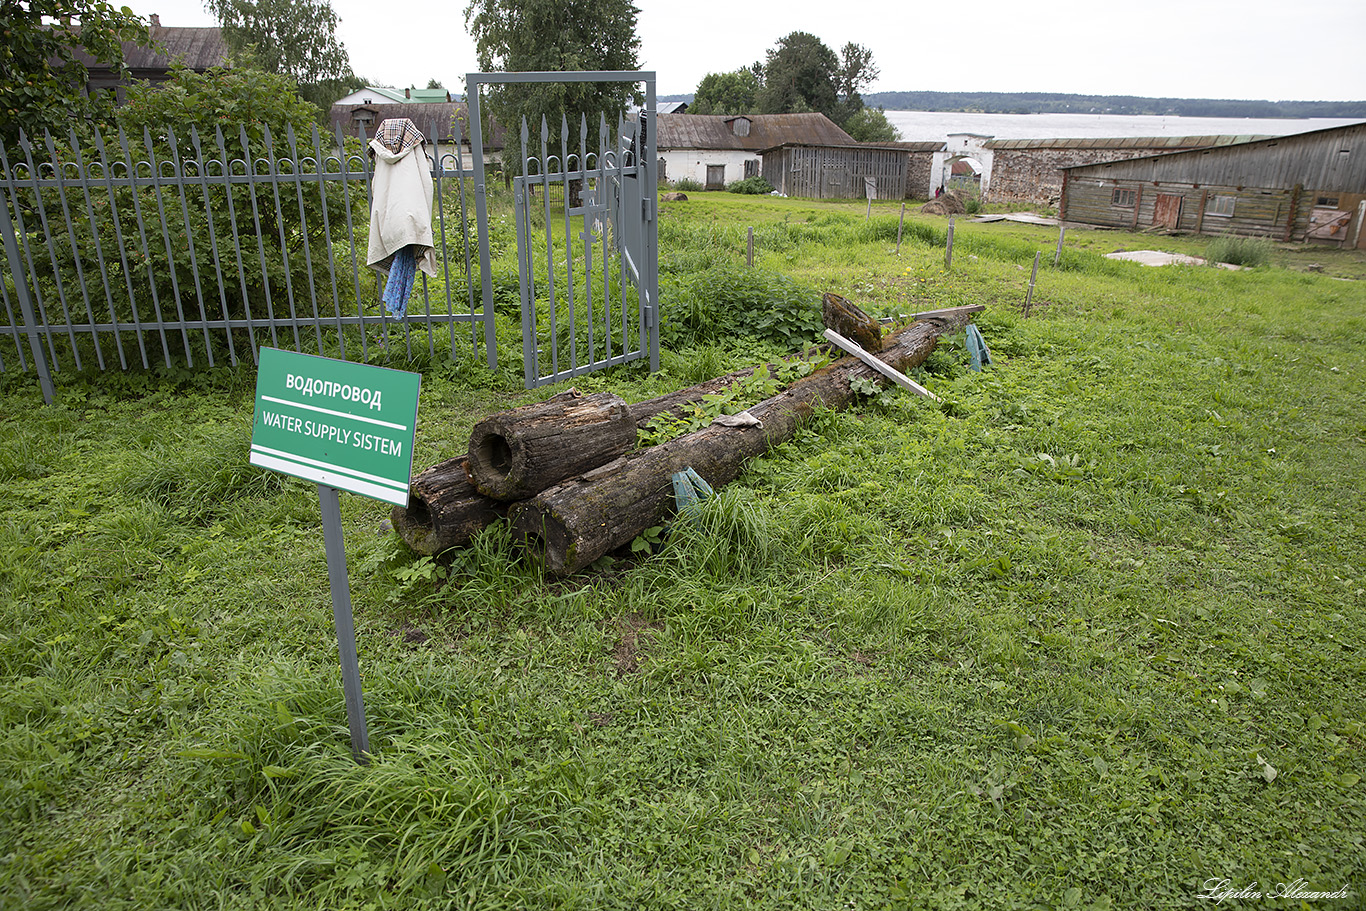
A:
1088, 635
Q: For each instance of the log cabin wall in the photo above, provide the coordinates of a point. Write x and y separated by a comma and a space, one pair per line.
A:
1279, 188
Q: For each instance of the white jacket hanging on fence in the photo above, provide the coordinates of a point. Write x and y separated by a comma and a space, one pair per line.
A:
402, 211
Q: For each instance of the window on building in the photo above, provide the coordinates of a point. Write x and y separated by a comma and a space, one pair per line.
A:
1329, 201
1220, 205
1123, 197
752, 168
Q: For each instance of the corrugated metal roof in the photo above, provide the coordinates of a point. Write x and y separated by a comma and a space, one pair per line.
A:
1154, 142
714, 131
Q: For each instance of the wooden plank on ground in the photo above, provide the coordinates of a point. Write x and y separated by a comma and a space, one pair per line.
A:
896, 376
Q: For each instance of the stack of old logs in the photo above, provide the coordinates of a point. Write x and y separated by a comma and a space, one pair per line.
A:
565, 473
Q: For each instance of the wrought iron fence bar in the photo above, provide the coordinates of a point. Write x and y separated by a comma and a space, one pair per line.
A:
344, 160
249, 164
170, 256
31, 294
27, 147
146, 250
11, 242
319, 163
438, 181
297, 164
190, 242
12, 329
526, 270
458, 172
568, 239
369, 208
271, 174
99, 251
58, 172
586, 234
605, 192
549, 251
213, 242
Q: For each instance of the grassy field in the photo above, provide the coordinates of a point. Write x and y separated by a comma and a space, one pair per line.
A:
1089, 635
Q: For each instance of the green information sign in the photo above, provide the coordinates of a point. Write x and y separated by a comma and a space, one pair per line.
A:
343, 425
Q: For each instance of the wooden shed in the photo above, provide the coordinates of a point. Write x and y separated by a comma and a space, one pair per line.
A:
1308, 186
897, 170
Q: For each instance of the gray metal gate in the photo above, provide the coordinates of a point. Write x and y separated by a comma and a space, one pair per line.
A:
587, 240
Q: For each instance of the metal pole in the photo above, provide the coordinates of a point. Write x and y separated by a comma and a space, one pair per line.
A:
1029, 296
867, 216
749, 256
899, 225
948, 247
1057, 257
22, 289
341, 619
481, 216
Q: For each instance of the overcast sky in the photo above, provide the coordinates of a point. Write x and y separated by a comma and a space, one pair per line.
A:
1260, 49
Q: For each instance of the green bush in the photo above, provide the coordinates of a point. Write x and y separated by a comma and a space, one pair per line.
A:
1239, 251
753, 186
727, 302
686, 185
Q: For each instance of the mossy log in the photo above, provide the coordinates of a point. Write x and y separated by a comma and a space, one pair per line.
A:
444, 510
849, 321
514, 454
581, 519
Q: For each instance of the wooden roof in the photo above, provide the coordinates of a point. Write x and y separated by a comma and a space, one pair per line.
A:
716, 131
199, 49
928, 145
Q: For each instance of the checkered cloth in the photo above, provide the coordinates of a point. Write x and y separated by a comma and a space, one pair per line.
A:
398, 134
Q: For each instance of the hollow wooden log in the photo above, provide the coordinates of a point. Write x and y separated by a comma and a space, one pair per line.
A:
514, 454
849, 321
581, 519
444, 510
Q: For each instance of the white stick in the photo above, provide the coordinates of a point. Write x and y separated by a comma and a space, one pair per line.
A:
896, 376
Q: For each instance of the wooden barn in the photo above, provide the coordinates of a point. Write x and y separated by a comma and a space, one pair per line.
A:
1308, 186
895, 170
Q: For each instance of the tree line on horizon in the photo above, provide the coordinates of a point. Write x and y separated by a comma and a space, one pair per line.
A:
1055, 103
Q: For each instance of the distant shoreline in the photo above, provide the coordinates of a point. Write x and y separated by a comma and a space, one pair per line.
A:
1110, 105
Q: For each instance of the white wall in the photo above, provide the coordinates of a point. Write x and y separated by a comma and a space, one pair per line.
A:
962, 145
692, 164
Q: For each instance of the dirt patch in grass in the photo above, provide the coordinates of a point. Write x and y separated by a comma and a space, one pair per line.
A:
635, 633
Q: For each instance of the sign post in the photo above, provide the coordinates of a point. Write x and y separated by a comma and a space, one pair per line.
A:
343, 426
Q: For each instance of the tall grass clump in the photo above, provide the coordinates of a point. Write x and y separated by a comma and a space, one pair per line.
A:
1239, 251
731, 301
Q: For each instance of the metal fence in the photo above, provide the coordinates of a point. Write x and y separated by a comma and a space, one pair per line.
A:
186, 249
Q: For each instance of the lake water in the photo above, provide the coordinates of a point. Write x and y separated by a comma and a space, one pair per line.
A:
927, 125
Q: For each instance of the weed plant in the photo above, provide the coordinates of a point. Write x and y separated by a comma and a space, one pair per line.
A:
1087, 634
1239, 251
